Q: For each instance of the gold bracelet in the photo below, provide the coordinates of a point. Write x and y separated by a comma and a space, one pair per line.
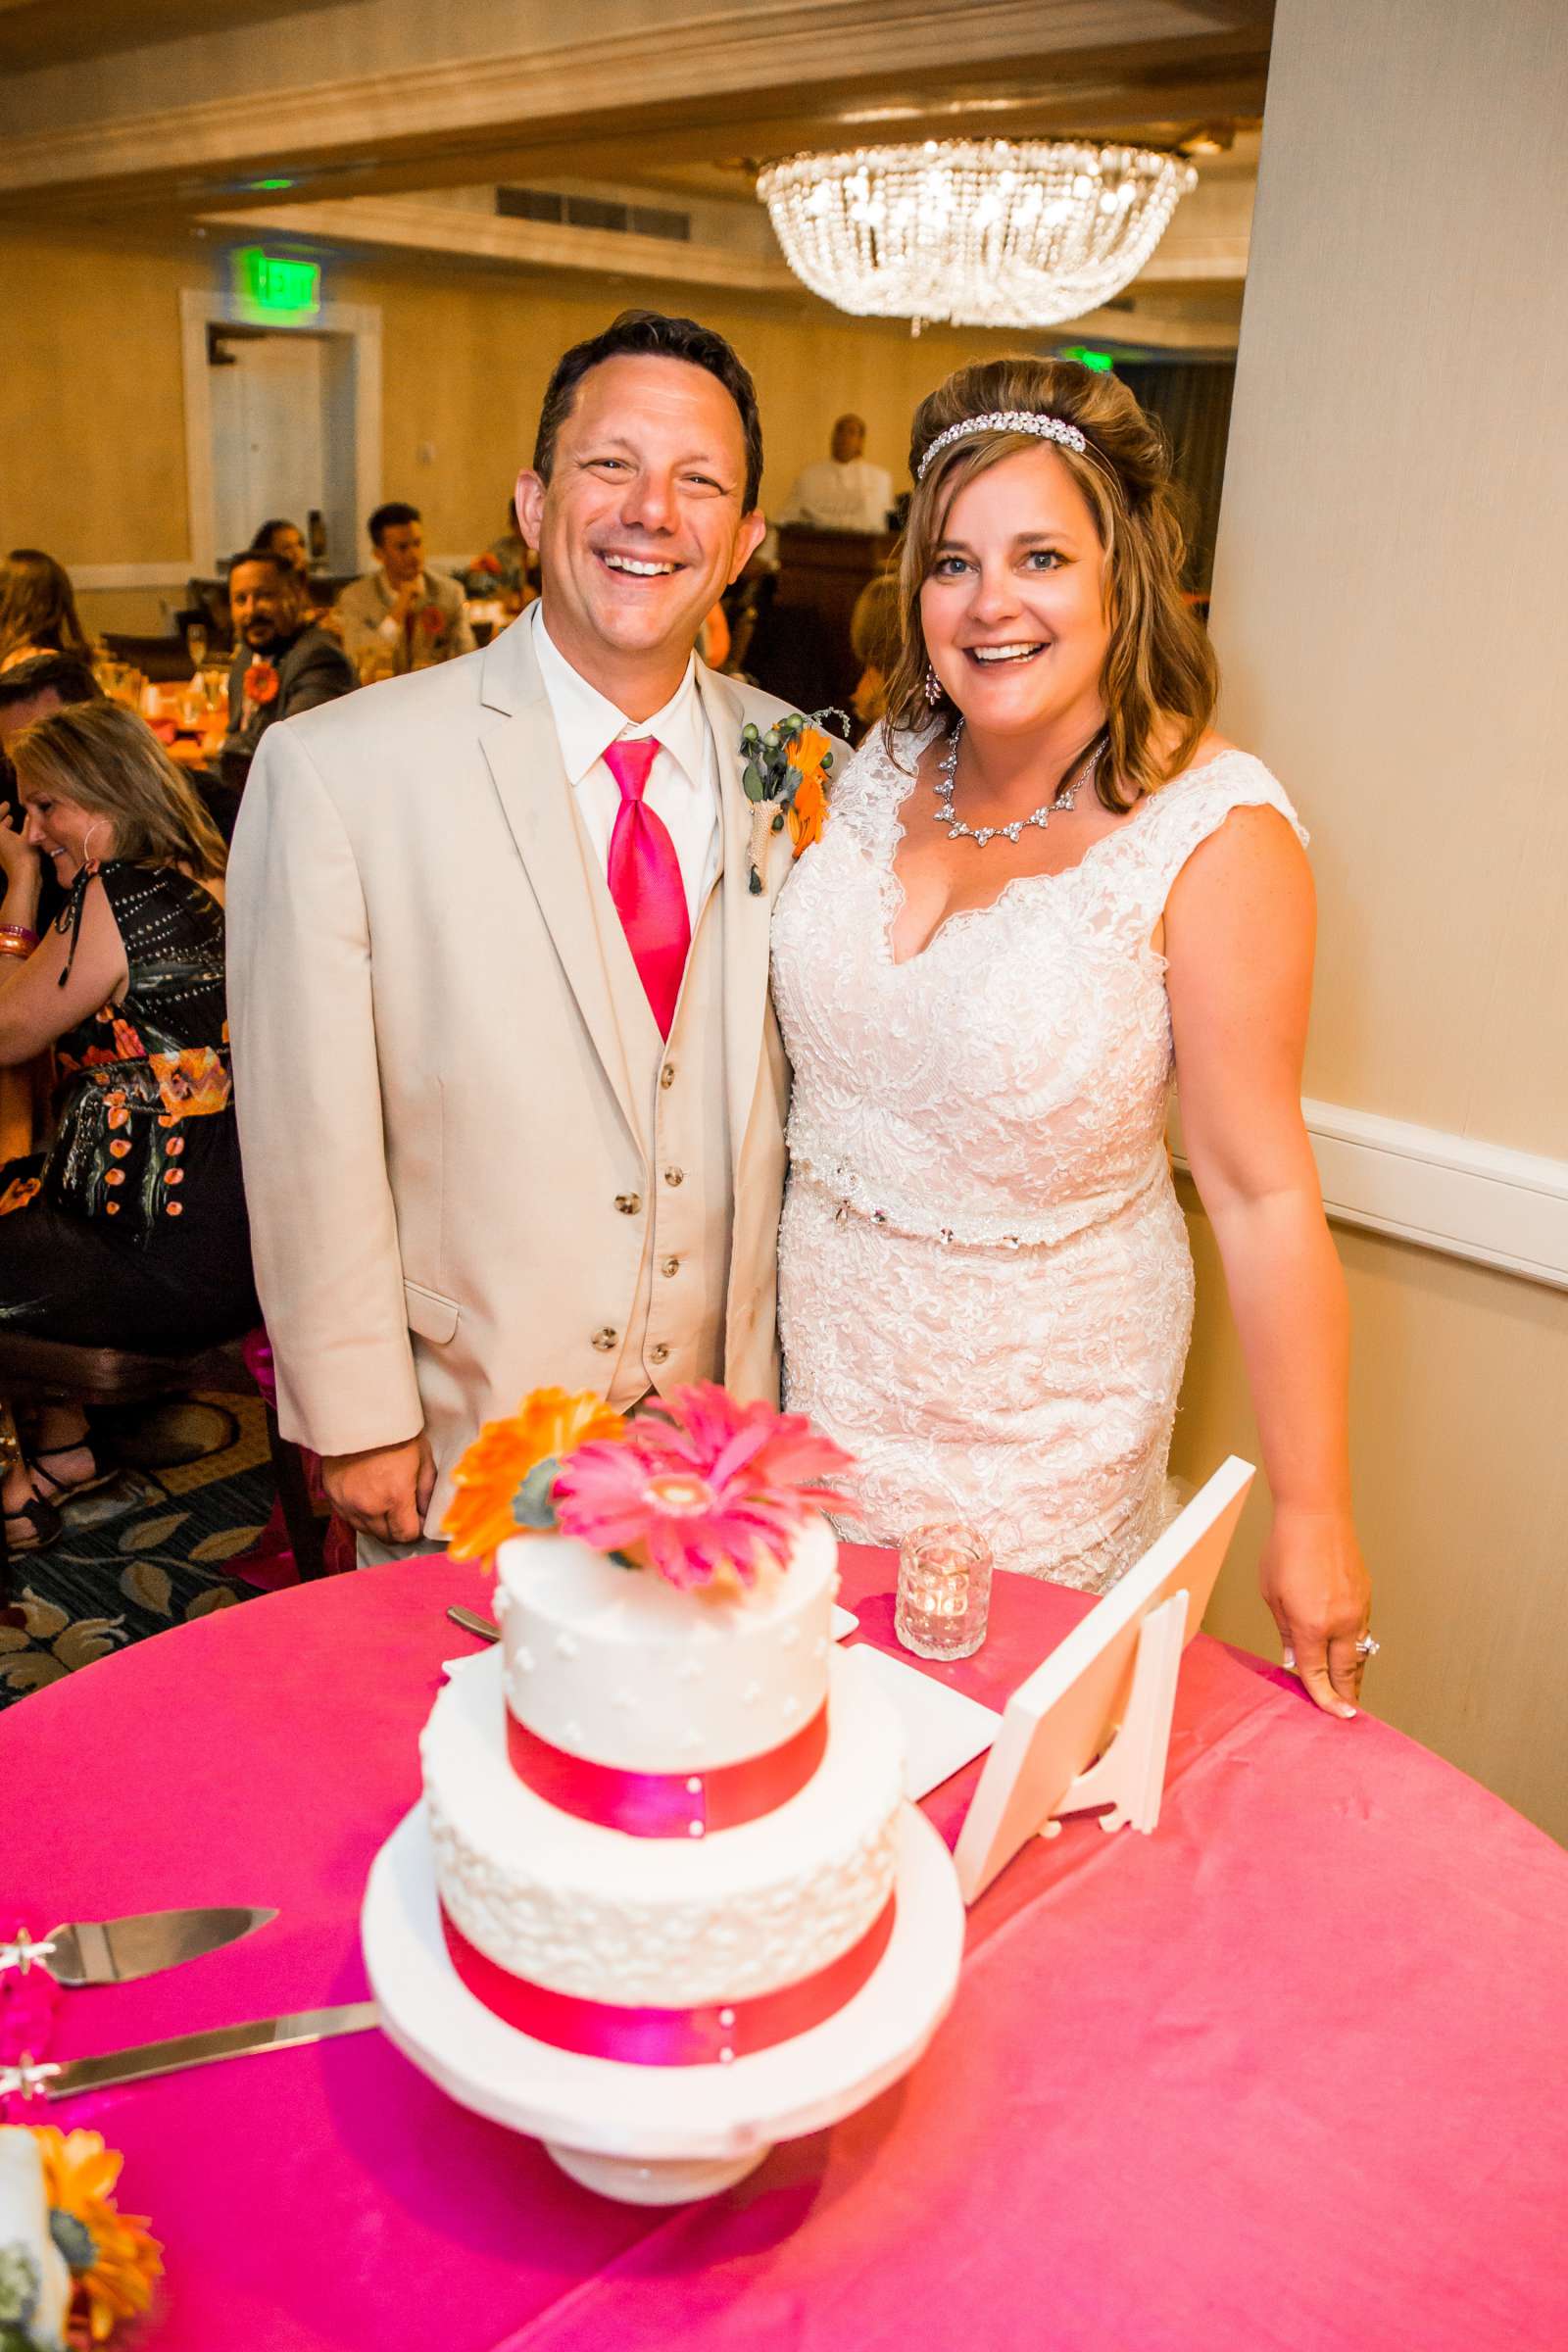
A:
14, 947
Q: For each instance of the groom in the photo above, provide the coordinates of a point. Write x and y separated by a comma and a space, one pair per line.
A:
509, 1091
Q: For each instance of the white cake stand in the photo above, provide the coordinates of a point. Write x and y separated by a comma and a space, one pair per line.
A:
660, 2135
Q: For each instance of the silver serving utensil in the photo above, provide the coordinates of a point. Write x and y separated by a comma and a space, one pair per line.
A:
65, 2079
472, 1623
115, 1951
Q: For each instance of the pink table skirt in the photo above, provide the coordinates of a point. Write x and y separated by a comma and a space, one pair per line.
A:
1290, 2075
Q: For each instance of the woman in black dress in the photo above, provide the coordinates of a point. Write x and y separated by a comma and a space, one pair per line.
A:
129, 1228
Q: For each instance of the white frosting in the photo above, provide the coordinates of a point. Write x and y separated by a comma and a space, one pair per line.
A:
591, 1911
615, 1665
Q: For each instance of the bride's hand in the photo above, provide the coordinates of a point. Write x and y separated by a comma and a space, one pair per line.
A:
1315, 1583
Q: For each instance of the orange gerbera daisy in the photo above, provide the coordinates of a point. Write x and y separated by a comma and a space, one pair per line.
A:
113, 2259
547, 1426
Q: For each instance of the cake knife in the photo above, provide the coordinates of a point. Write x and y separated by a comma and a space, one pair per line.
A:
68, 2077
115, 1951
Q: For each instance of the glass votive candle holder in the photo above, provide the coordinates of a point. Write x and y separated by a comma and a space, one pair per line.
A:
944, 1592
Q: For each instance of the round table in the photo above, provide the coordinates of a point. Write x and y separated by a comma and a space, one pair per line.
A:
1291, 2074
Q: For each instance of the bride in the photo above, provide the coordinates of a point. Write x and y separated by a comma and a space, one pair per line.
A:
1045, 887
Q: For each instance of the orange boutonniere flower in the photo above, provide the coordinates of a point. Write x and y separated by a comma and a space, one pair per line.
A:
785, 771
807, 813
260, 683
433, 621
503, 1480
113, 2259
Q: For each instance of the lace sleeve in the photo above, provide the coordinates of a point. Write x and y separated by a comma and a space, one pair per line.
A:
1194, 807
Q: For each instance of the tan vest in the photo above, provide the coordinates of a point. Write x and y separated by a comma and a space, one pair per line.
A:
673, 1328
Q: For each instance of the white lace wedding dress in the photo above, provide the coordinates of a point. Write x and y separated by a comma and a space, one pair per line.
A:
984, 1288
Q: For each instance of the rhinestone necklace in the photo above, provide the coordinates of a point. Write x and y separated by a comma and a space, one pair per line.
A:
1065, 795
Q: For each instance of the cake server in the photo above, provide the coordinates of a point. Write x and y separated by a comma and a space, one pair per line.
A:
115, 1952
66, 2079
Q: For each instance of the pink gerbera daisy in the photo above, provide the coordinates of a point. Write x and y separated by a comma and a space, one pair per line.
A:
700, 1484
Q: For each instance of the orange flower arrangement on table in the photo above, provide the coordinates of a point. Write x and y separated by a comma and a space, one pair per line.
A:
696, 1487
112, 2261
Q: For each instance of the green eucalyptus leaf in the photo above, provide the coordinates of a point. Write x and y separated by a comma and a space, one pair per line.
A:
533, 1505
755, 789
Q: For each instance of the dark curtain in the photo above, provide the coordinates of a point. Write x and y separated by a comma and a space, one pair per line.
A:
1191, 399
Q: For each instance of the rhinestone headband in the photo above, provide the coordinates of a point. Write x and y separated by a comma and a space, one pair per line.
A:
1006, 421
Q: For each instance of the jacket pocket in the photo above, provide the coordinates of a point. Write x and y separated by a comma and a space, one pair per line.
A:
433, 1317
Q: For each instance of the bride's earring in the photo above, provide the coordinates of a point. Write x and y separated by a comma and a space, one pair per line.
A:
933, 686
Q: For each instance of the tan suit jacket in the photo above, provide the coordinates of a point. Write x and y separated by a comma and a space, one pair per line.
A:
436, 1030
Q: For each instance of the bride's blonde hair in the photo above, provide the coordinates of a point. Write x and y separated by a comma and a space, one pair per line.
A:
1160, 666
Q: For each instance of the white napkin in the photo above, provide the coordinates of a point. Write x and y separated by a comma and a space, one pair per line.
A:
942, 1731
845, 1622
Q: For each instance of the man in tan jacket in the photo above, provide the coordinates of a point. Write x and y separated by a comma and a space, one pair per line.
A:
495, 1136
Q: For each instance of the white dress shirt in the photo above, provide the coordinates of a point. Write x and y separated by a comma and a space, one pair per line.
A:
682, 788
851, 496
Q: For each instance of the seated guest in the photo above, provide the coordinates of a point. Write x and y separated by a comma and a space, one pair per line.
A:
281, 537
37, 608
844, 491
401, 616
501, 573
874, 640
30, 689
129, 1231
282, 662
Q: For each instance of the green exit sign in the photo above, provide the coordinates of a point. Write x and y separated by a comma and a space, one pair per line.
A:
1099, 360
275, 285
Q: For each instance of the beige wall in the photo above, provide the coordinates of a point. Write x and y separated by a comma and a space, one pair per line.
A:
1388, 612
91, 402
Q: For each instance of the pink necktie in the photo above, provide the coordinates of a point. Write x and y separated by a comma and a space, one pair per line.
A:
645, 882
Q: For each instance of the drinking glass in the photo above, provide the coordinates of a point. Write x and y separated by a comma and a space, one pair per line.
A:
944, 1591
196, 642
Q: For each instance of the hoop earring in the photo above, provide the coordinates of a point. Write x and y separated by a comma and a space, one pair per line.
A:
88, 857
933, 688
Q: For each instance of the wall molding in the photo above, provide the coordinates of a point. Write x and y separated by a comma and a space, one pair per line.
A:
1441, 1192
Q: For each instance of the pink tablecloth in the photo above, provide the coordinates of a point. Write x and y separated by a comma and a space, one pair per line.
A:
1289, 2074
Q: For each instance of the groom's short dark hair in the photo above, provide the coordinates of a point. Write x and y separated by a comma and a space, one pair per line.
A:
649, 334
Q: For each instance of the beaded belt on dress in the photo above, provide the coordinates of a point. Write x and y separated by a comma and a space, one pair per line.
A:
966, 1229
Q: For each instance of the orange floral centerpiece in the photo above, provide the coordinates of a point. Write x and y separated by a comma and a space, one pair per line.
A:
696, 1486
111, 2260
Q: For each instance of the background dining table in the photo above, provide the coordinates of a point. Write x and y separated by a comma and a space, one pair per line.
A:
1290, 2074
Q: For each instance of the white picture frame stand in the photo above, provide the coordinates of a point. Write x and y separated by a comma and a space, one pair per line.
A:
1131, 1773
1092, 1725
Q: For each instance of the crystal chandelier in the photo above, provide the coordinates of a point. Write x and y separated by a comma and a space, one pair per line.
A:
981, 233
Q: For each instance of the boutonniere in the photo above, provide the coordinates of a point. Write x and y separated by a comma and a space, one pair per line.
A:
433, 621
786, 776
261, 682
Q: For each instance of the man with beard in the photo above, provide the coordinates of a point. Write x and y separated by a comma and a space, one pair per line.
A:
282, 664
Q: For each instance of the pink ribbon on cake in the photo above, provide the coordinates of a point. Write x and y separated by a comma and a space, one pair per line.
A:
667, 1804
711, 2035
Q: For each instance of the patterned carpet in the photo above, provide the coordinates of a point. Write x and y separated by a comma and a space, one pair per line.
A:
149, 1550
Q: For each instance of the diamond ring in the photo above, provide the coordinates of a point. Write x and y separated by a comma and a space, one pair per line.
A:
1366, 1647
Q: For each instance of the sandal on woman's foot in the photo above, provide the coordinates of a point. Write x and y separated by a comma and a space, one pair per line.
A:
59, 1487
43, 1523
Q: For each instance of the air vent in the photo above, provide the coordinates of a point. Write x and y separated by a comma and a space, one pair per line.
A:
594, 212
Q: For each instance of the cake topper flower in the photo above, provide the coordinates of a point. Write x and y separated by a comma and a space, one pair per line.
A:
504, 1480
786, 776
699, 1487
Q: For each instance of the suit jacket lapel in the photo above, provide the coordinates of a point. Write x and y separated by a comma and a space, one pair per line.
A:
536, 799
746, 913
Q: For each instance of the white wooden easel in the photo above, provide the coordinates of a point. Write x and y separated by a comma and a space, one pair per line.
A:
1129, 1775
